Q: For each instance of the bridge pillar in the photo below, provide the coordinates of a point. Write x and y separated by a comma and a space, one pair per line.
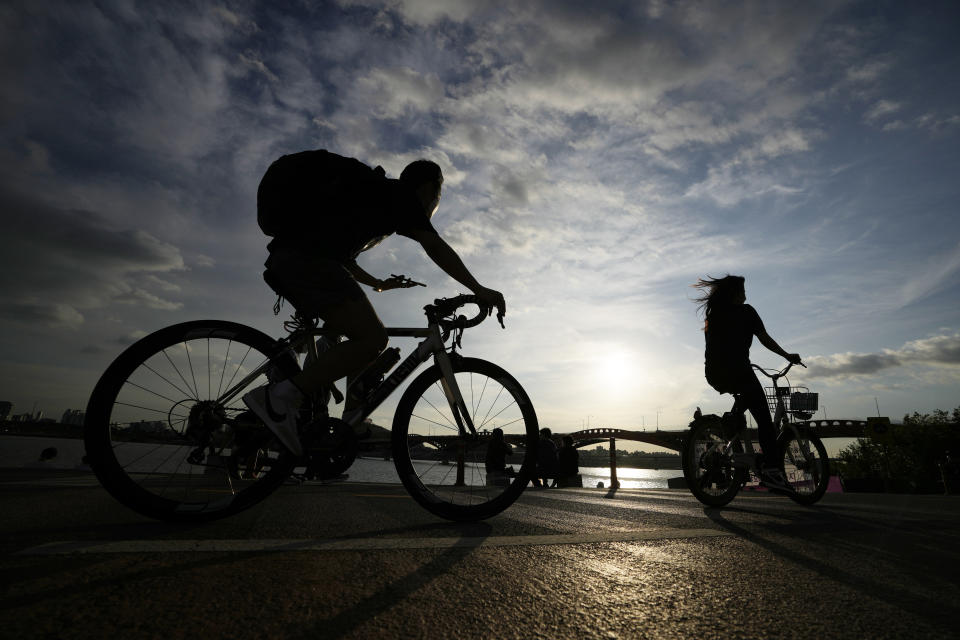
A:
614, 483
461, 446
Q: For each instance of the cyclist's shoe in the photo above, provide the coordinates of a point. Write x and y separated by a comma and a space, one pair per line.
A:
775, 480
279, 414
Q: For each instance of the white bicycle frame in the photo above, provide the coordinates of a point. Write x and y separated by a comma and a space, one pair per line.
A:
433, 344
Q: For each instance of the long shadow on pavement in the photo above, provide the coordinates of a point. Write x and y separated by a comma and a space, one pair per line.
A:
904, 599
472, 536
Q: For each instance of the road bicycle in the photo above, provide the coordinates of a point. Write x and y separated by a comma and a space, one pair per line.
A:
719, 457
168, 436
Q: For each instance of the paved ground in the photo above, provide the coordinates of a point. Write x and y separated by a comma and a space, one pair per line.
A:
364, 561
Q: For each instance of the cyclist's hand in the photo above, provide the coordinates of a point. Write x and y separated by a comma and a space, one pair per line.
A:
491, 299
398, 282
794, 358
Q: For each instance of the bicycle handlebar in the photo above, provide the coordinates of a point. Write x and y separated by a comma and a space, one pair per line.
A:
779, 374
443, 307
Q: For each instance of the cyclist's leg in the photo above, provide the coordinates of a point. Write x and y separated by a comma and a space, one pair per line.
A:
322, 288
753, 398
317, 287
366, 336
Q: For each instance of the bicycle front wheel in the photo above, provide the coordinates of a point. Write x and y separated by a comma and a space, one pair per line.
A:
444, 470
805, 464
165, 437
708, 467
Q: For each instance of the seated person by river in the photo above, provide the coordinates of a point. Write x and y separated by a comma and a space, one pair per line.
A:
546, 460
568, 465
495, 462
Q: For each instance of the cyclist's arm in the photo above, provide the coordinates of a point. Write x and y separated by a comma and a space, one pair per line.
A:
447, 259
362, 276
771, 344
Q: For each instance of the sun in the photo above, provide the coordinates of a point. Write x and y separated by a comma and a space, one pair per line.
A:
614, 371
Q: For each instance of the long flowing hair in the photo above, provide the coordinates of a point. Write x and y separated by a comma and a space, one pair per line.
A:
717, 293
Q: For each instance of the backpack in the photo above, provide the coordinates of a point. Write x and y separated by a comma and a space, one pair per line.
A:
295, 184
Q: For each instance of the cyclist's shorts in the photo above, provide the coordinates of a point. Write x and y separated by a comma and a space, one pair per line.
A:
312, 284
737, 379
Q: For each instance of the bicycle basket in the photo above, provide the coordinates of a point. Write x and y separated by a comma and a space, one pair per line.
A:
795, 399
803, 401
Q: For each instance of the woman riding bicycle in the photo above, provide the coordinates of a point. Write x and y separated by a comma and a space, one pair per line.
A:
730, 325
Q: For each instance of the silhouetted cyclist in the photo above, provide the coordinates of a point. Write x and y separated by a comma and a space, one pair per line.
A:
730, 325
323, 210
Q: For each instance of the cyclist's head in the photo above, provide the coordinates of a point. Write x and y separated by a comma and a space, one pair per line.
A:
545, 433
425, 179
719, 293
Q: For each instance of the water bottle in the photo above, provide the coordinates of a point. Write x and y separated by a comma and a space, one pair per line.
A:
373, 375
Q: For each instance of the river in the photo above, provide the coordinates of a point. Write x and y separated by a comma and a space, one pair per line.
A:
24, 452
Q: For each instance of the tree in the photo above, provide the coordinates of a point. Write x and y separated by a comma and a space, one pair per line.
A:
911, 459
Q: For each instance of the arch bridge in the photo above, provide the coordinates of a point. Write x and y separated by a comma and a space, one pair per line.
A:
668, 439
673, 439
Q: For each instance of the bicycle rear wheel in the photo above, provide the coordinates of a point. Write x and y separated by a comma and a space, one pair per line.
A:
708, 469
805, 464
162, 439
444, 471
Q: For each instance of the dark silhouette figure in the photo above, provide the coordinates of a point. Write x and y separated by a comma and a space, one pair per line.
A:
48, 454
568, 463
730, 325
546, 459
950, 474
497, 451
322, 211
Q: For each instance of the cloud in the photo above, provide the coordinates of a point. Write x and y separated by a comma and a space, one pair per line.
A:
942, 350
389, 92
881, 110
66, 261
50, 314
934, 274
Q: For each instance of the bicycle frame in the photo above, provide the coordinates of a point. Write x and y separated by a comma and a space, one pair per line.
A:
433, 344
780, 421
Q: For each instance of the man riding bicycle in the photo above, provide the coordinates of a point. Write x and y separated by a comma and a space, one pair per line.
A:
730, 325
323, 210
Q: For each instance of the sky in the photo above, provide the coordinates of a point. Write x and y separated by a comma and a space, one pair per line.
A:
599, 158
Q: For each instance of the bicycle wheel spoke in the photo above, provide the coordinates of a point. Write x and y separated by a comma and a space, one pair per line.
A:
512, 422
164, 378
439, 424
195, 395
452, 423
237, 370
482, 392
136, 406
159, 395
223, 369
208, 369
500, 412
492, 405
193, 376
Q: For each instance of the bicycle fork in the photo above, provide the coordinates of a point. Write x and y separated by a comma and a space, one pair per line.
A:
451, 390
